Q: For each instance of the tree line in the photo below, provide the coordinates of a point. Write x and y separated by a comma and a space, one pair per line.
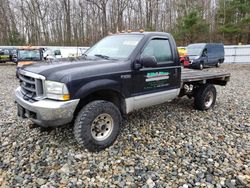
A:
83, 22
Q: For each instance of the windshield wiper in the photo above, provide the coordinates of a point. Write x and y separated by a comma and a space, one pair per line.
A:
102, 56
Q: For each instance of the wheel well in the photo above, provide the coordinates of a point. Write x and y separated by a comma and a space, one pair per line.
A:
221, 60
108, 95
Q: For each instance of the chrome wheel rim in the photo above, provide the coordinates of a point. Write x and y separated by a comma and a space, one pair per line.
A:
102, 127
209, 99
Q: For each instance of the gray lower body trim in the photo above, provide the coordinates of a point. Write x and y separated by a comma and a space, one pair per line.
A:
142, 101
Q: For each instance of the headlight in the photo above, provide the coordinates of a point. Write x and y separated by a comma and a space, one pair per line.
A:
56, 90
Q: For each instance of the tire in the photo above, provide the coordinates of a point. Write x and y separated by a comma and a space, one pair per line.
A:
201, 66
97, 125
205, 97
218, 63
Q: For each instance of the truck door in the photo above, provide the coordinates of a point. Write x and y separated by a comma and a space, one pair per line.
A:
210, 54
159, 84
205, 56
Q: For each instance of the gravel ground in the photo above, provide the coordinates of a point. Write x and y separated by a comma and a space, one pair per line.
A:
169, 145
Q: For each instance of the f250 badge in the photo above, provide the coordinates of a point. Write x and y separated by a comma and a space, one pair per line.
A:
156, 76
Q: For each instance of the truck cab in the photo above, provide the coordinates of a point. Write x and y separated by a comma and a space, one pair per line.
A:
27, 56
119, 74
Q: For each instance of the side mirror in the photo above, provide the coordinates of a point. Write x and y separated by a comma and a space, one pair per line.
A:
148, 61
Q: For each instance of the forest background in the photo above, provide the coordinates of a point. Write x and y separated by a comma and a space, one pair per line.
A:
83, 22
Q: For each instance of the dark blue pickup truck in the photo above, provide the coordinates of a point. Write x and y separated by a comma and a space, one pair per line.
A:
118, 75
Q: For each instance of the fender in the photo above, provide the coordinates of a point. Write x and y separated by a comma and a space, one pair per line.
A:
97, 85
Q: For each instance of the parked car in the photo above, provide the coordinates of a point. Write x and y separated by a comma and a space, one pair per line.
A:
52, 54
184, 59
118, 75
6, 54
28, 55
205, 54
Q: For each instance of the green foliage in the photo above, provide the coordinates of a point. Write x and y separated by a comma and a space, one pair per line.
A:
191, 28
233, 19
229, 29
15, 39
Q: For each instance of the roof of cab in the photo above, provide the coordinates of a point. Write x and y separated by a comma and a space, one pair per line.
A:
29, 48
143, 33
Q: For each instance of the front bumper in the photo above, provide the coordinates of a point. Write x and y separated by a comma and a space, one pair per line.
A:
46, 112
194, 64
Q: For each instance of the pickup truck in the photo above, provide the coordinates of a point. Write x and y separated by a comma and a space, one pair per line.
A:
28, 55
121, 73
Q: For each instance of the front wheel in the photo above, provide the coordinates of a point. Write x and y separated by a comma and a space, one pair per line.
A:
201, 65
97, 125
205, 97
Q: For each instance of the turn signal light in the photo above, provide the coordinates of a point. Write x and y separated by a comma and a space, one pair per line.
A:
66, 97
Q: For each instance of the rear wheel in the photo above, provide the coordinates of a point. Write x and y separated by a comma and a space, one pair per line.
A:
97, 125
205, 97
218, 63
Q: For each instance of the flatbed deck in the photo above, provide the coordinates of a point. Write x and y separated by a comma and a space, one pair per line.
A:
218, 78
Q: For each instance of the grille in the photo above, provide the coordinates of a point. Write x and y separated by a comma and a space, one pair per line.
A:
31, 84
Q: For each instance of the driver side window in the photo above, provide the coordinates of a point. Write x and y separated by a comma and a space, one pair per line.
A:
205, 51
160, 49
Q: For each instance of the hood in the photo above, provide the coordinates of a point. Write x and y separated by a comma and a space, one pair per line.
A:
63, 70
22, 63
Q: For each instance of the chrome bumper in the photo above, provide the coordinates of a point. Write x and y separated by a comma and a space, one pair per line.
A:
46, 112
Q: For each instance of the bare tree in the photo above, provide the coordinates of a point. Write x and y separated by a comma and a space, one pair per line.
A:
83, 22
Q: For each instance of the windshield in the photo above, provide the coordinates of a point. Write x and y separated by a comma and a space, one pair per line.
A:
116, 47
29, 55
194, 50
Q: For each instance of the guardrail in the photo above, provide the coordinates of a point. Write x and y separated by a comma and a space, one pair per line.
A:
238, 54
